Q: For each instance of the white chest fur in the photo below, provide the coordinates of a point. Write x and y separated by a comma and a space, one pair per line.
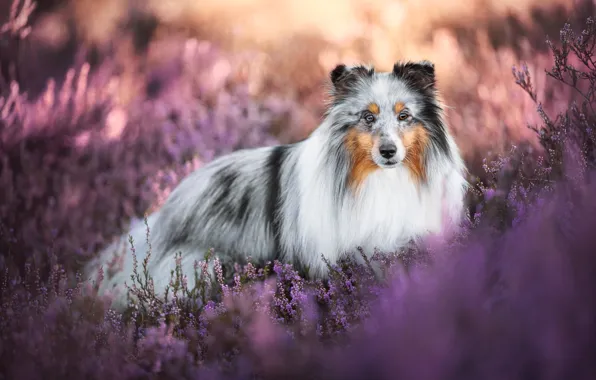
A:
387, 211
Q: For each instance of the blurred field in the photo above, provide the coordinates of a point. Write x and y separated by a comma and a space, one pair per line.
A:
288, 47
113, 95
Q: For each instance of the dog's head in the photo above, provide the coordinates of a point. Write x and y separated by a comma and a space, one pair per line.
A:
389, 118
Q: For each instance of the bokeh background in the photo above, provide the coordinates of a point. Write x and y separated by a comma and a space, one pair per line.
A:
117, 99
286, 48
106, 104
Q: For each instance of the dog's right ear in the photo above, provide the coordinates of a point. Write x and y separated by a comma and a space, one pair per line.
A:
343, 78
337, 73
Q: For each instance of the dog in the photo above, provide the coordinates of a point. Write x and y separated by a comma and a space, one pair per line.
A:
380, 171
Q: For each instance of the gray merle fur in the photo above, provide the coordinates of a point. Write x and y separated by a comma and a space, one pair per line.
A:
294, 203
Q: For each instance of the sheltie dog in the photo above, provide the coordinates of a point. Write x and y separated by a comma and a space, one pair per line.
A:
380, 171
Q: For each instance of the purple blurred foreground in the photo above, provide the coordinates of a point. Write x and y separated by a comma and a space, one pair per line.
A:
522, 306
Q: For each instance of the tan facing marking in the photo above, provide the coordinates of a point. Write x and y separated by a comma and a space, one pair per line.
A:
360, 145
415, 141
398, 107
374, 108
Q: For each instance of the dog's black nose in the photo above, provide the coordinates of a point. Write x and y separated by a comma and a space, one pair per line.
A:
387, 150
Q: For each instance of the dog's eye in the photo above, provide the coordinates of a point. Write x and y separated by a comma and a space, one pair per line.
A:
369, 117
403, 116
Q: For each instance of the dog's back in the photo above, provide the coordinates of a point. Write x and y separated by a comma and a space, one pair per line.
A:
223, 205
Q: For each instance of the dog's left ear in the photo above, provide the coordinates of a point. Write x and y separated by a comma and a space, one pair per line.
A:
420, 74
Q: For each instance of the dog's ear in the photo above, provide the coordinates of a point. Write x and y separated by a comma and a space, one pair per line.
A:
337, 73
419, 74
343, 78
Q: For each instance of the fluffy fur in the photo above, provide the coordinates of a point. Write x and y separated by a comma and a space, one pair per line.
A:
380, 171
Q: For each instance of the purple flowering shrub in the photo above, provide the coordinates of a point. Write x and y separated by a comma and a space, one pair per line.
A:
89, 153
568, 141
511, 296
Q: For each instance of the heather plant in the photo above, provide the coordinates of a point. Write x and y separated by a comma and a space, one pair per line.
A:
93, 151
574, 67
515, 179
516, 304
12, 32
